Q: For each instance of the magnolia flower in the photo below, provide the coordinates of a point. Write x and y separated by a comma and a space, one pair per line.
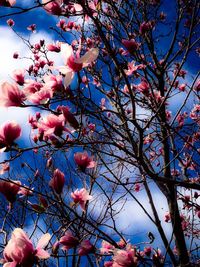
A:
83, 160
68, 241
85, 248
9, 132
18, 76
53, 7
125, 258
131, 45
10, 189
57, 182
11, 95
20, 250
52, 124
75, 63
81, 197
106, 247
53, 82
69, 117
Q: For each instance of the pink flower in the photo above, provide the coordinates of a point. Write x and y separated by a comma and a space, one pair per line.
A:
81, 197
5, 168
53, 7
54, 48
106, 247
83, 160
125, 258
9, 132
7, 3
131, 45
69, 117
52, 124
10, 189
11, 95
20, 251
18, 76
85, 248
68, 241
143, 87
75, 63
10, 22
144, 27
57, 182
53, 82
41, 97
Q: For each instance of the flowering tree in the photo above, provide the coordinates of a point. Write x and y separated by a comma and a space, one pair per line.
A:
112, 124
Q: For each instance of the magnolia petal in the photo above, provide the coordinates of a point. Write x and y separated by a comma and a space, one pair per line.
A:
78, 7
10, 264
68, 78
63, 69
44, 240
89, 56
42, 254
66, 51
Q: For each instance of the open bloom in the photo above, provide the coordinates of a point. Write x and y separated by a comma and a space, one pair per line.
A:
57, 182
18, 76
9, 132
68, 241
81, 197
85, 248
11, 95
125, 258
20, 251
10, 189
75, 63
53, 7
83, 160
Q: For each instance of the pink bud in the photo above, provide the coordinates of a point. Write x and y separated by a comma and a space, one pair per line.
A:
57, 182
85, 248
68, 241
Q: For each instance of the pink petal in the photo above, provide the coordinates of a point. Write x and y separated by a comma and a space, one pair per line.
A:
66, 51
68, 78
89, 56
42, 254
10, 264
44, 240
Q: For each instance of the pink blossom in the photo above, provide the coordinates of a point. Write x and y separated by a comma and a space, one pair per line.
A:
54, 47
11, 95
106, 247
83, 160
81, 197
53, 82
125, 258
25, 191
130, 45
41, 97
9, 132
85, 248
10, 22
75, 63
20, 250
7, 3
5, 168
52, 124
18, 76
144, 27
143, 87
10, 189
69, 117
57, 182
132, 68
32, 27
68, 241
53, 7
